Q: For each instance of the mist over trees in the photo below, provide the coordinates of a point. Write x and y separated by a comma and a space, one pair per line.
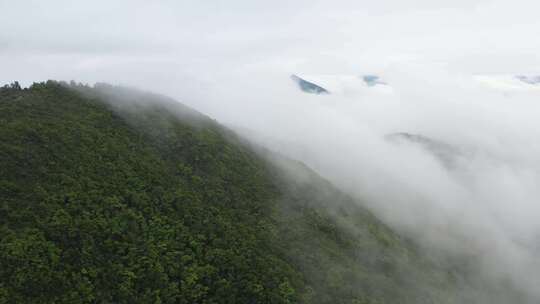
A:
105, 205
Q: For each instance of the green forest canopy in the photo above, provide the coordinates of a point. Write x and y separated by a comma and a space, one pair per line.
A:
113, 195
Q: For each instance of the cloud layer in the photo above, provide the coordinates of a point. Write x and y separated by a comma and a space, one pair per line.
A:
232, 60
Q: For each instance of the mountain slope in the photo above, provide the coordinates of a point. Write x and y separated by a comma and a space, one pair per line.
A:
110, 195
446, 153
308, 87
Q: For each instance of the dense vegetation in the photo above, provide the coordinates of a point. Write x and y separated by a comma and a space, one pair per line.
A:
110, 195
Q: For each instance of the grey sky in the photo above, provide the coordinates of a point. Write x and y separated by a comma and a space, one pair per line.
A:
205, 40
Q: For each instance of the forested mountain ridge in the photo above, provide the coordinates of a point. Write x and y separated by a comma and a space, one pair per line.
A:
111, 195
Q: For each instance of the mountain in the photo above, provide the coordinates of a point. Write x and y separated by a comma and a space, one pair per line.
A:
308, 87
343, 84
510, 83
114, 195
444, 152
373, 80
533, 80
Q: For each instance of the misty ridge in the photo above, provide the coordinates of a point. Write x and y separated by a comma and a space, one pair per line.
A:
464, 180
116, 178
356, 152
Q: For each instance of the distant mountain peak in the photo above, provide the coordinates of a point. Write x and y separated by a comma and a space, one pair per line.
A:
534, 80
373, 80
309, 87
443, 151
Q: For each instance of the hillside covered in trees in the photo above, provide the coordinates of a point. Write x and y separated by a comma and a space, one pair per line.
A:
112, 195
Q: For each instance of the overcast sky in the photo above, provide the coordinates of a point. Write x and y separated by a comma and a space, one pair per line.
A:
174, 46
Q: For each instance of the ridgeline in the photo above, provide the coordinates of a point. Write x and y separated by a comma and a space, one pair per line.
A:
113, 195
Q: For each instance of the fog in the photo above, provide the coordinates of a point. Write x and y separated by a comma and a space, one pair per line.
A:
483, 205
449, 70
